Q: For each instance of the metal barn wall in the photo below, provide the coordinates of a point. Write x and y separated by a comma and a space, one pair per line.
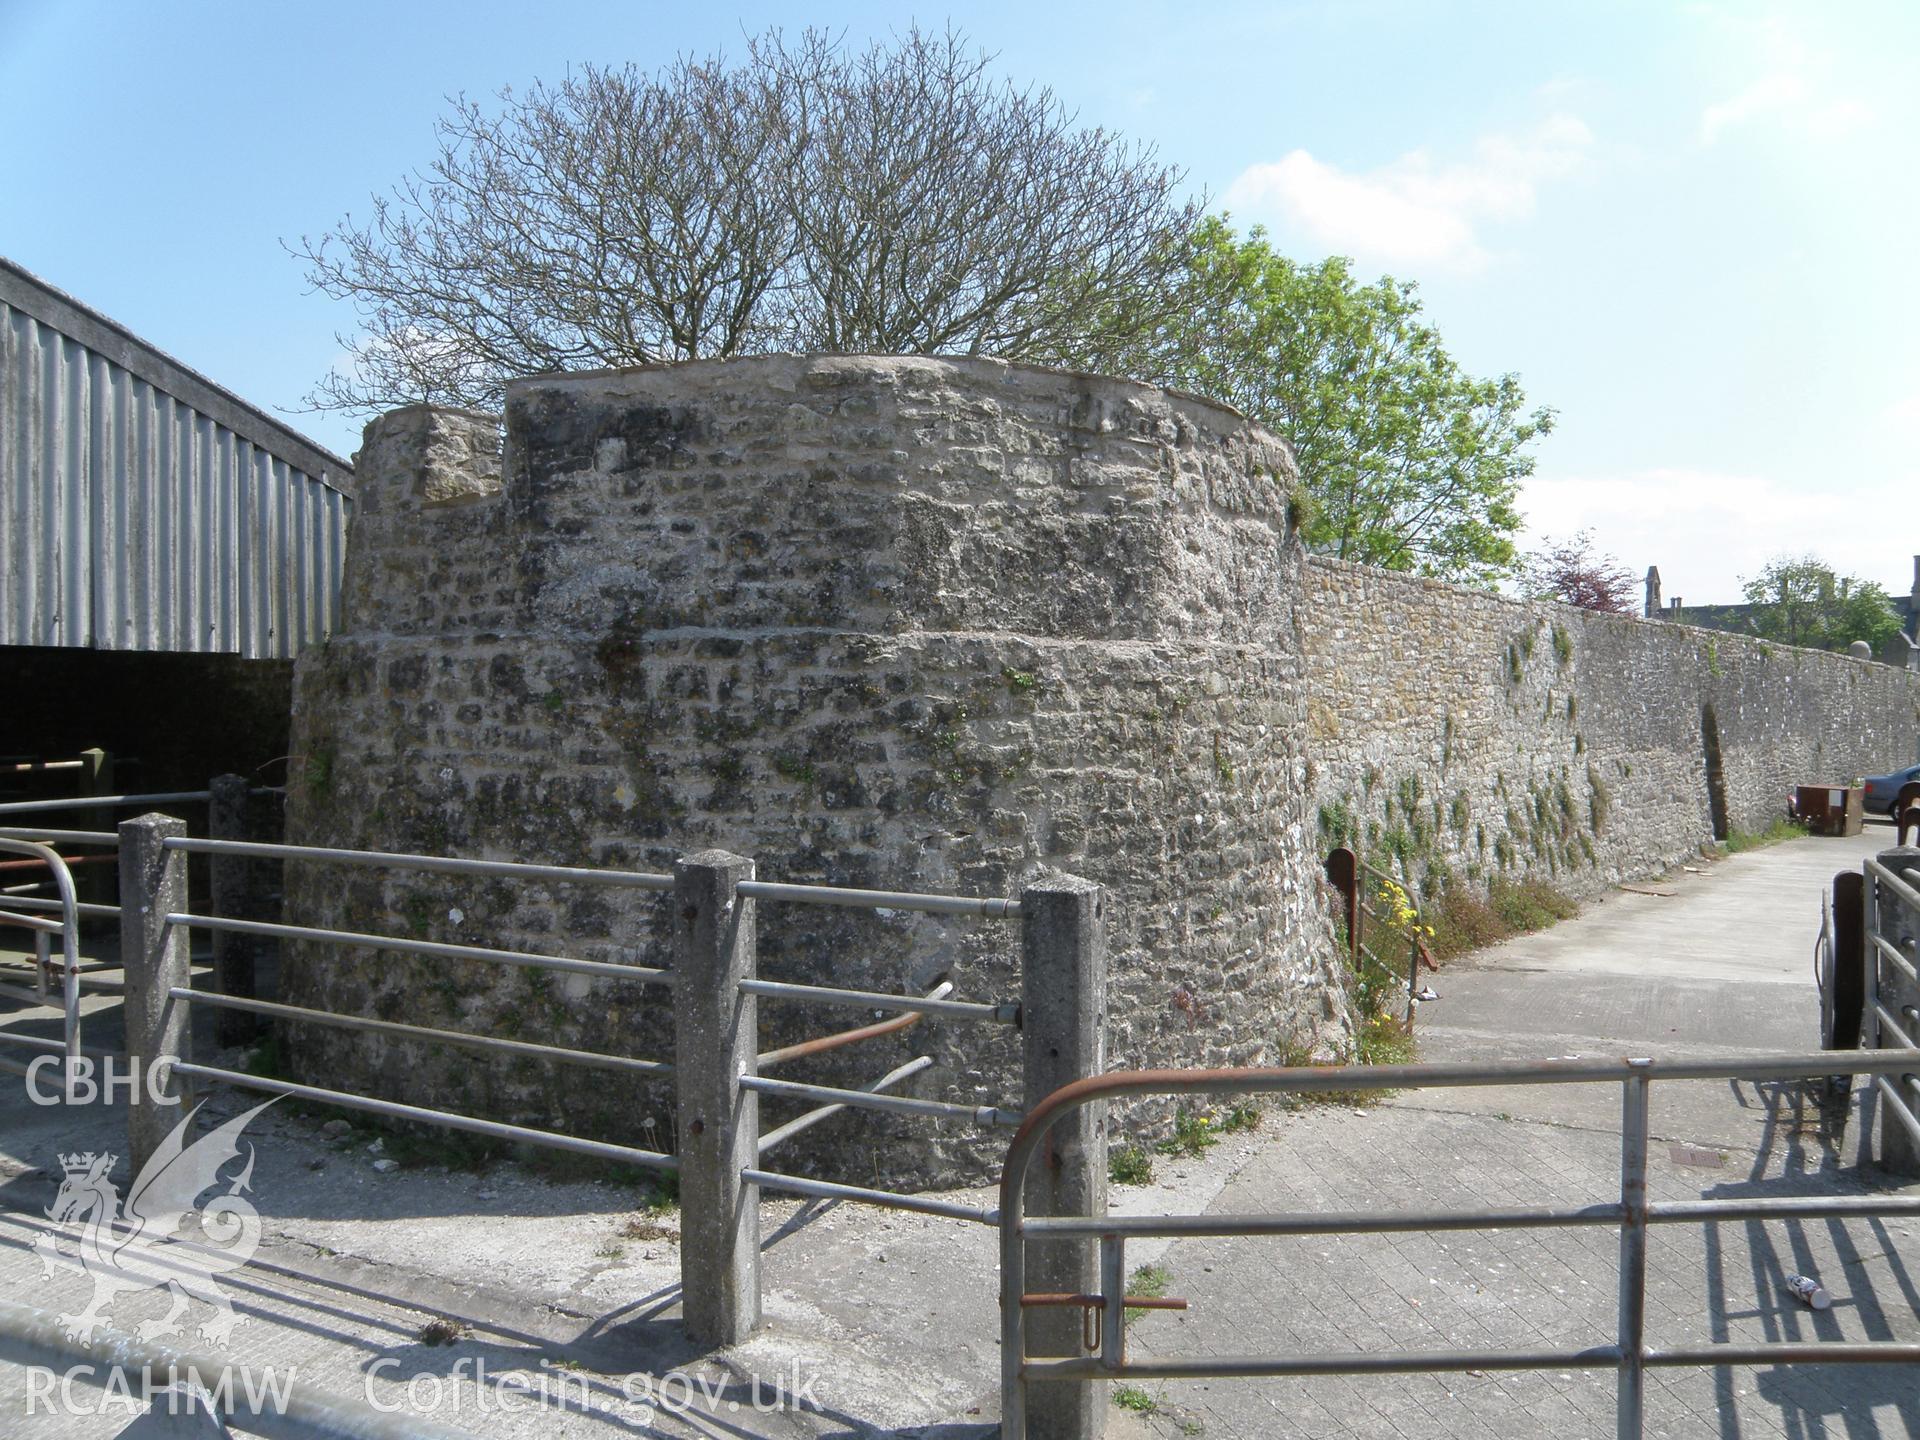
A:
143, 507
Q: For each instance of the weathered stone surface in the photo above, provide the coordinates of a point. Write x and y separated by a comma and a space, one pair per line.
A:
1472, 736
900, 623
949, 625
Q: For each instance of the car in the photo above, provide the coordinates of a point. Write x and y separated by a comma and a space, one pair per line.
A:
1882, 790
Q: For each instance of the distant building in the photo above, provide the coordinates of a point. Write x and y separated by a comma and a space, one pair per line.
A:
1739, 619
165, 549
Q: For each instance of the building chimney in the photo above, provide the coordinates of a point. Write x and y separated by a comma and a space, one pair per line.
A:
1653, 588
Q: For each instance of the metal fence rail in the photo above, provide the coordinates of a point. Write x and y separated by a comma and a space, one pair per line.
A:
172, 988
1627, 1353
1892, 1011
68, 929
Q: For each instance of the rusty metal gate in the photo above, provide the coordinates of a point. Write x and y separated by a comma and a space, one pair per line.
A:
1631, 1212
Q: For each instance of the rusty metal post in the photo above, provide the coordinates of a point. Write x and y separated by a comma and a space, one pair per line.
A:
716, 1035
1063, 1023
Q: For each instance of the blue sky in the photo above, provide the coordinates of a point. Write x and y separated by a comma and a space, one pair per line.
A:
1690, 228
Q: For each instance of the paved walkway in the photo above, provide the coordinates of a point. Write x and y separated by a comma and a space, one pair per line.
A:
1718, 964
367, 1278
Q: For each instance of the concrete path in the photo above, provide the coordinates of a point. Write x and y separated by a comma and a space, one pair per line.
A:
400, 1285
1717, 963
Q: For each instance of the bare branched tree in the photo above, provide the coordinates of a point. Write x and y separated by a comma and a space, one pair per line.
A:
895, 200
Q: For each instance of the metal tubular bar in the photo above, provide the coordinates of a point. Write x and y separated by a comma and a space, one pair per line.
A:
1833, 1352
895, 1104
1248, 1367
983, 907
71, 837
1894, 883
81, 907
52, 1047
31, 922
1312, 1222
1894, 1025
827, 1190
599, 1149
880, 1000
427, 947
72, 860
828, 1043
37, 1337
1634, 1214
1113, 1302
1244, 1367
21, 993
1790, 1207
1630, 1402
69, 940
438, 864
14, 1067
87, 967
1897, 1104
1893, 956
590, 1058
95, 802
814, 1117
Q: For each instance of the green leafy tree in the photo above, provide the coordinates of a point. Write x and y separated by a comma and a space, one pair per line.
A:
1802, 601
1412, 463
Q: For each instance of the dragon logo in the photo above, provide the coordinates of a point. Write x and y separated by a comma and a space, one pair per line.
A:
133, 1248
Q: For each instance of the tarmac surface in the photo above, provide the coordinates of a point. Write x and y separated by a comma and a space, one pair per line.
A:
507, 1303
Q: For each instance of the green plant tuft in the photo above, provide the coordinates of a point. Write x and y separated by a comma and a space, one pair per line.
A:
1129, 1165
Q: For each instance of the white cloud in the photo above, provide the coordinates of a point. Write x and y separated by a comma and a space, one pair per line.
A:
1707, 530
1415, 210
1793, 87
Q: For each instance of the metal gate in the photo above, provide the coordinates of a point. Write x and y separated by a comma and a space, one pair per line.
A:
1632, 1213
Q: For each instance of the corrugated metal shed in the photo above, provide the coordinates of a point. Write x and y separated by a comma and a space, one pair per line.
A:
143, 507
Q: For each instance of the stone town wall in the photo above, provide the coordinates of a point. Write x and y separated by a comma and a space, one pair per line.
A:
945, 625
895, 623
1461, 734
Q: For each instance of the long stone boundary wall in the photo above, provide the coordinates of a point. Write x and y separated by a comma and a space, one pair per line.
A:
897, 624
1460, 736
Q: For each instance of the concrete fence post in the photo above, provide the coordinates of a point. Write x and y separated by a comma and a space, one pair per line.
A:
716, 1037
1063, 1021
240, 889
1900, 926
153, 883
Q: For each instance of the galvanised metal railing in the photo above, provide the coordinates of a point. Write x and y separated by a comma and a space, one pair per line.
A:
188, 995
1632, 1213
1893, 993
67, 927
833, 1100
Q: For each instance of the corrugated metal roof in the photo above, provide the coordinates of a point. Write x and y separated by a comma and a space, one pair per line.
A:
143, 507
